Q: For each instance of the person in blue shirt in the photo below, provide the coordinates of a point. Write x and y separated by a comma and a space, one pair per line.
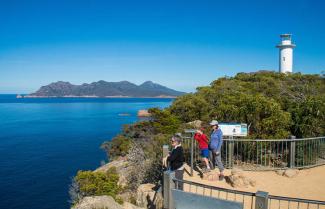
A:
215, 146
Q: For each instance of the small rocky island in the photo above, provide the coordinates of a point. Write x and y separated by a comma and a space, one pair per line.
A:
105, 89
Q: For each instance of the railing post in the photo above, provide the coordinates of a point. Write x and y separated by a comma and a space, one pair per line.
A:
230, 152
165, 150
292, 152
191, 131
261, 200
165, 189
165, 154
171, 186
168, 186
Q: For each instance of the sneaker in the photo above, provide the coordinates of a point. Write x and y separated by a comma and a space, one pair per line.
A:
221, 177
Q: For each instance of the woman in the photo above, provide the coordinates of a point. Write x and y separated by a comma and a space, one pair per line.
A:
215, 145
176, 159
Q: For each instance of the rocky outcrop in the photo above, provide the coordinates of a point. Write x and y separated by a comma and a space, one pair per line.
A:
122, 170
280, 172
104, 201
195, 124
237, 179
127, 205
211, 176
290, 173
143, 113
147, 197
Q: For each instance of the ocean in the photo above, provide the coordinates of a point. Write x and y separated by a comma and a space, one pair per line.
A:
45, 141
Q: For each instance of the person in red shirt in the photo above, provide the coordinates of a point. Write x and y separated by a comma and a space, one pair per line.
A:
203, 141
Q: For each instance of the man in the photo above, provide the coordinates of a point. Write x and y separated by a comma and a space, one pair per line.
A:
215, 146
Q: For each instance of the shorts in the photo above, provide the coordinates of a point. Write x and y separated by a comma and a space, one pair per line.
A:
205, 153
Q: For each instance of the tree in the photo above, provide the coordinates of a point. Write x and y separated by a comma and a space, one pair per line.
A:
163, 121
274, 104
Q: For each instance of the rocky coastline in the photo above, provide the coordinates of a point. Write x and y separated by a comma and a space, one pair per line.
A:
146, 195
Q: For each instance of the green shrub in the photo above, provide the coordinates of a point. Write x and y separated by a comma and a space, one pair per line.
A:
163, 121
118, 146
98, 183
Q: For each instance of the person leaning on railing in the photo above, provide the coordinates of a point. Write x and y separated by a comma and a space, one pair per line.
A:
215, 146
175, 159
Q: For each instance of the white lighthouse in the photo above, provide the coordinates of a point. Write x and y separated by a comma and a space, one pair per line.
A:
285, 53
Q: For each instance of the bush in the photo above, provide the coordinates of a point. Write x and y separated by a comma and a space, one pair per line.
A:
163, 121
118, 146
89, 183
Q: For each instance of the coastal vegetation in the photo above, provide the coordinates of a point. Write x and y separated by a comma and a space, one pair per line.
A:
88, 183
273, 105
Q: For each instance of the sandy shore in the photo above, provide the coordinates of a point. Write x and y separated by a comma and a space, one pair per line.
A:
308, 184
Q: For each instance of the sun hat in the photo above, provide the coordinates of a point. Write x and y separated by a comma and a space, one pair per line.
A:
214, 122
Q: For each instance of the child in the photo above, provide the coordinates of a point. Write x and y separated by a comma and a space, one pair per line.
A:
203, 141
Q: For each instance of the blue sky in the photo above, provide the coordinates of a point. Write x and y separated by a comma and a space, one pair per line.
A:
180, 44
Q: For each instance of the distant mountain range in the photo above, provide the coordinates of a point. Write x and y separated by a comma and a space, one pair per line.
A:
105, 89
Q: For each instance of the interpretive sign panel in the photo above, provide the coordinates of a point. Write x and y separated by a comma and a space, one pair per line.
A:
234, 129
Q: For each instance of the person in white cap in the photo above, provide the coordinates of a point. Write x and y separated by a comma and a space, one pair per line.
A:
215, 145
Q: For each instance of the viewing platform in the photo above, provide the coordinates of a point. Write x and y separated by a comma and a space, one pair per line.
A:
260, 174
307, 183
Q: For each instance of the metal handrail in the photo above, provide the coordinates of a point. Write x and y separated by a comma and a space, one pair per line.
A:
249, 194
293, 199
264, 154
271, 140
214, 187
